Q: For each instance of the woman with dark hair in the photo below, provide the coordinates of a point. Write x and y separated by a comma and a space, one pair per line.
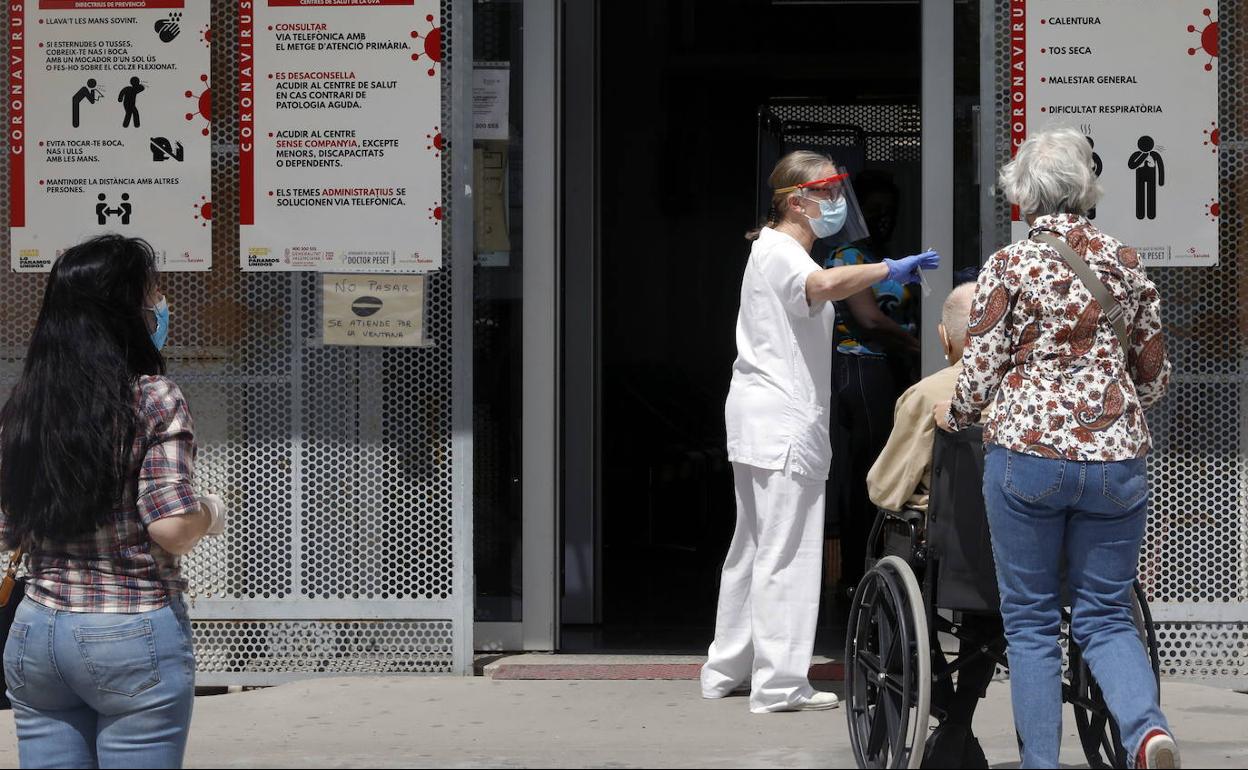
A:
96, 459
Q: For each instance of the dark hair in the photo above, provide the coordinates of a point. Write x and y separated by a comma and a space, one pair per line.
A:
67, 428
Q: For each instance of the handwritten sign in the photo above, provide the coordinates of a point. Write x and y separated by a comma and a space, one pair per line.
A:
384, 311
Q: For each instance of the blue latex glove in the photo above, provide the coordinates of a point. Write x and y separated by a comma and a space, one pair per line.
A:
906, 269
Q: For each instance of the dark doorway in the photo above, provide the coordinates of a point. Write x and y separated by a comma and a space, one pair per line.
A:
681, 85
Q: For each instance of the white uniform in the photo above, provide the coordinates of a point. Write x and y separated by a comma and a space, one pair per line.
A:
777, 420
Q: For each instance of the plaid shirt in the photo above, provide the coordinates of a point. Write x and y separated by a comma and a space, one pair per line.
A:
119, 568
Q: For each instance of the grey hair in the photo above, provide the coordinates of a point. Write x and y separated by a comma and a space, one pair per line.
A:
955, 314
1052, 174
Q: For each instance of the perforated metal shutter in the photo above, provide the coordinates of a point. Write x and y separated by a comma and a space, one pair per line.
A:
1194, 564
344, 553
893, 131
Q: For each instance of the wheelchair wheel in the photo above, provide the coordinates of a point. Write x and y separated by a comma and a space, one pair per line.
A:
888, 675
1098, 732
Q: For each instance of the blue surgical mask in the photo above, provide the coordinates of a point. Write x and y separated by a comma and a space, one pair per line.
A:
161, 311
831, 217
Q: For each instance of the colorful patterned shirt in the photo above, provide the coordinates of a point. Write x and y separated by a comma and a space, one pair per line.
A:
119, 568
892, 297
1047, 370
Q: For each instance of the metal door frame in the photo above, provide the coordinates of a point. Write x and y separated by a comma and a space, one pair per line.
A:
462, 229
936, 103
542, 226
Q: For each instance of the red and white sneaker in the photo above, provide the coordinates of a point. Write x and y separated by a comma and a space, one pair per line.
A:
1158, 750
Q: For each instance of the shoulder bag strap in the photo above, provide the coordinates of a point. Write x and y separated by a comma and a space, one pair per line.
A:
1110, 306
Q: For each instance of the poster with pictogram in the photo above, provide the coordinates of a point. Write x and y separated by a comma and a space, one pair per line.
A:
109, 110
340, 150
1140, 80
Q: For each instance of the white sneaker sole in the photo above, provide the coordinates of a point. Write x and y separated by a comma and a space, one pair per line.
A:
1162, 752
820, 701
818, 706
800, 707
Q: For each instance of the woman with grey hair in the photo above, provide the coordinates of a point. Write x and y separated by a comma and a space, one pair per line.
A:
1062, 370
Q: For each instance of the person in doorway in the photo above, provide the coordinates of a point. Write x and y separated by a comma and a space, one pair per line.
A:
777, 428
96, 459
1063, 390
874, 345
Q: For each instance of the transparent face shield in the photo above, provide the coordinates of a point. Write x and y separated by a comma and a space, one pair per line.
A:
830, 195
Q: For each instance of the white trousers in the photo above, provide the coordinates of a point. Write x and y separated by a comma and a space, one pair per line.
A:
769, 591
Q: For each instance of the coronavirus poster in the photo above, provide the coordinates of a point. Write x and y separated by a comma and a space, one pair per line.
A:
340, 147
1140, 80
108, 128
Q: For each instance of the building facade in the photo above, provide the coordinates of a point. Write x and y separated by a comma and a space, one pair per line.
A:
396, 509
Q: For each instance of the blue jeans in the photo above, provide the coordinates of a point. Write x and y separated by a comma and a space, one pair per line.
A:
1093, 514
100, 690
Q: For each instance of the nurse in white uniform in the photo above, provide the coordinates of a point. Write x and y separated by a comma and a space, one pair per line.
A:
777, 420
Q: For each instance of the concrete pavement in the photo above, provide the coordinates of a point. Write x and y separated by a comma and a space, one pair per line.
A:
478, 722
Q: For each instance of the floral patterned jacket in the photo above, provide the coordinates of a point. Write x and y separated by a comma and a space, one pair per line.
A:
1045, 368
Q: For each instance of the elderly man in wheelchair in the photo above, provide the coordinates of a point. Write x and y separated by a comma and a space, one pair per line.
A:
931, 584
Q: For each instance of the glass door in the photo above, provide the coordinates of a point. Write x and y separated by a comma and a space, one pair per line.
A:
515, 359
498, 319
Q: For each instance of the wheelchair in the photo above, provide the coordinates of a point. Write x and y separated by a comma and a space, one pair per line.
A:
932, 575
